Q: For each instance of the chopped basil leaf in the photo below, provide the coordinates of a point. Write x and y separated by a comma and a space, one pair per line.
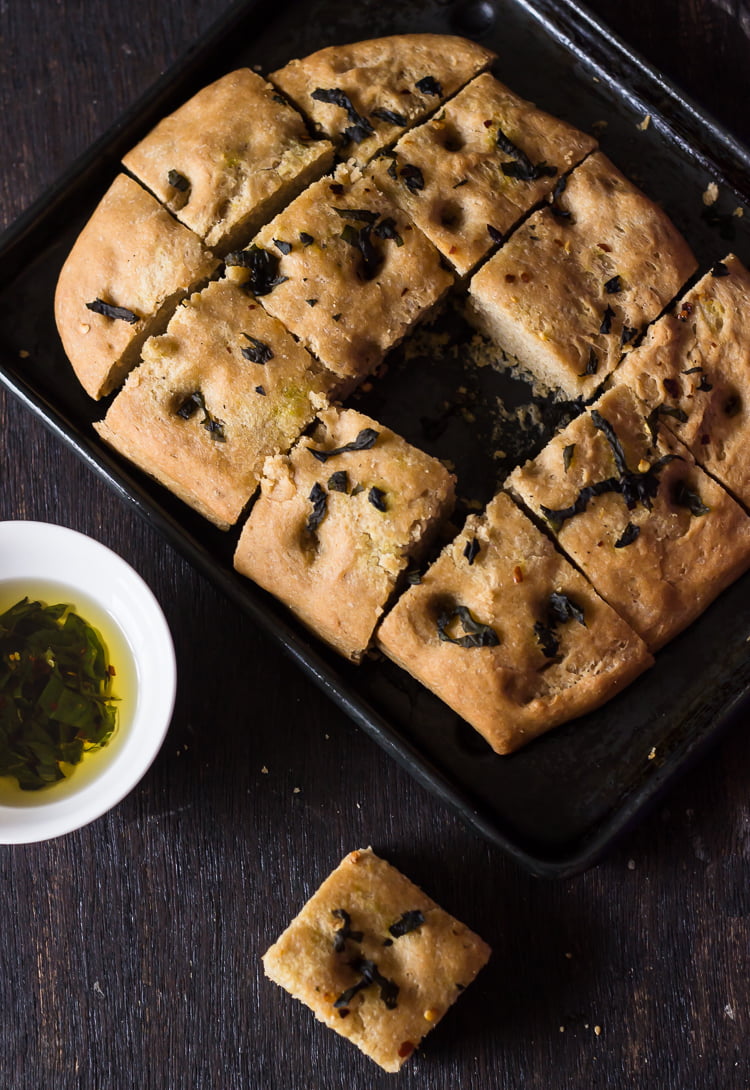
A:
547, 639
495, 235
360, 127
652, 420
391, 116
387, 229
357, 215
628, 536
376, 497
568, 453
704, 385
178, 181
412, 177
477, 634
213, 426
122, 313
306, 239
560, 608
364, 441
344, 933
682, 496
472, 550
613, 286
409, 921
607, 317
257, 351
370, 974
371, 258
283, 247
628, 334
521, 166
319, 499
311, 302
428, 85
338, 481
263, 267
592, 366
260, 390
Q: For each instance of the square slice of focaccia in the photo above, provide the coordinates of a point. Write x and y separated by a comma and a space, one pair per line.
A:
337, 522
375, 958
345, 271
225, 387
228, 159
658, 538
364, 95
506, 631
693, 372
577, 283
129, 268
470, 173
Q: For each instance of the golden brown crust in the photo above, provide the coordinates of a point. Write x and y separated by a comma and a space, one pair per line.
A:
567, 295
338, 576
347, 315
679, 561
524, 685
130, 254
465, 190
381, 74
429, 965
693, 371
259, 408
240, 150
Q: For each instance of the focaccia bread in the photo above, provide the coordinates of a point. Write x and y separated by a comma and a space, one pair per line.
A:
658, 538
229, 158
337, 522
129, 268
345, 271
225, 387
577, 283
364, 95
693, 373
505, 630
469, 174
375, 959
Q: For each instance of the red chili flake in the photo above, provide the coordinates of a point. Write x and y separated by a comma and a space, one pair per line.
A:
526, 277
488, 124
510, 278
685, 312
453, 249
517, 574
405, 1049
603, 246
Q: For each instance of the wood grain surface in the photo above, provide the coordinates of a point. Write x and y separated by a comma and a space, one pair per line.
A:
129, 951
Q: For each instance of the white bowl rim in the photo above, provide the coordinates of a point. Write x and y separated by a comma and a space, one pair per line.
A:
86, 565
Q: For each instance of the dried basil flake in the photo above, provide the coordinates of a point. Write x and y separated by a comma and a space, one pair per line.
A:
319, 499
390, 116
338, 481
260, 390
682, 496
376, 497
357, 215
283, 247
213, 426
387, 229
628, 536
306, 239
370, 974
521, 168
607, 317
344, 933
613, 286
568, 453
412, 177
263, 267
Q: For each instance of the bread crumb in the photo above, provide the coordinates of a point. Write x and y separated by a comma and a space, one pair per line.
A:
562, 1029
738, 212
710, 194
631, 864
643, 125
569, 957
264, 770
296, 790
598, 1031
652, 754
23, 354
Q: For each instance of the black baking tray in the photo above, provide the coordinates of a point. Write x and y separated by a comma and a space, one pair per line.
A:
559, 803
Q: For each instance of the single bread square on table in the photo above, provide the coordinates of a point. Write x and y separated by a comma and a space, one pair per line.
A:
224, 387
337, 522
576, 284
507, 633
375, 959
693, 372
228, 159
345, 271
470, 173
364, 95
129, 268
658, 538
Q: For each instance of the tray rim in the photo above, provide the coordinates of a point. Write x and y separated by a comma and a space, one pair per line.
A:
591, 42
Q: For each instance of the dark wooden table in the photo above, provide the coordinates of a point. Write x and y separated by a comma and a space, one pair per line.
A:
129, 951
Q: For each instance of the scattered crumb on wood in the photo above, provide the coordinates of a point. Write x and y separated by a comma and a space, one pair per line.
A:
643, 125
710, 194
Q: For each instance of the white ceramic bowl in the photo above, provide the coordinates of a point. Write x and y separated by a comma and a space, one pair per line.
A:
45, 561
